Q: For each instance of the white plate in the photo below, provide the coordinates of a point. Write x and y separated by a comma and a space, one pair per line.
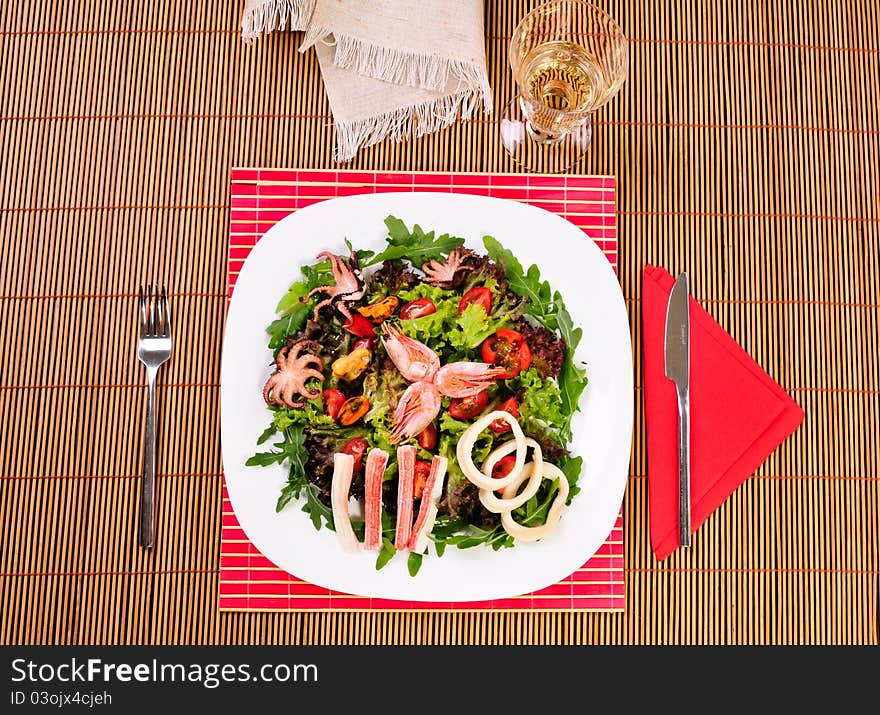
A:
602, 430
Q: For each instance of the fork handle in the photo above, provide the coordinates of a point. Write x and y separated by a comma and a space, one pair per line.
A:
148, 483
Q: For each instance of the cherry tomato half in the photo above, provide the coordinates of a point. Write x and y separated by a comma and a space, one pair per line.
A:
363, 343
418, 308
503, 468
509, 405
333, 400
423, 469
466, 408
358, 325
356, 447
508, 350
427, 438
479, 295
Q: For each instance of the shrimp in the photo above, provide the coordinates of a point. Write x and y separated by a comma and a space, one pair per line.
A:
415, 360
417, 408
465, 379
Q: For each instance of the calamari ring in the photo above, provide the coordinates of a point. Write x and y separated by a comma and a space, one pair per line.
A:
533, 533
500, 505
464, 451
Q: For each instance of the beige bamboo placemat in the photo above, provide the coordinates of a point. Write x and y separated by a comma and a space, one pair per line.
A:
746, 147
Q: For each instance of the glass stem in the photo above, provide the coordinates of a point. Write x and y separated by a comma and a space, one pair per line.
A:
543, 137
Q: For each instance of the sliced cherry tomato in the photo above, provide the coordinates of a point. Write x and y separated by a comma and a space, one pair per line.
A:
479, 295
353, 409
358, 325
509, 350
503, 468
423, 469
418, 308
509, 405
356, 447
466, 408
427, 438
333, 400
363, 343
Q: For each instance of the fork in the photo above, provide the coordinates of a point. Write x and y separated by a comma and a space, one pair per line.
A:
154, 349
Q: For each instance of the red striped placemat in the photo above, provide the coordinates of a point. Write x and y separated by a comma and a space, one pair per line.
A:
260, 198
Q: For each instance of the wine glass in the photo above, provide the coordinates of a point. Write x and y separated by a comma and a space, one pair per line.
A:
569, 58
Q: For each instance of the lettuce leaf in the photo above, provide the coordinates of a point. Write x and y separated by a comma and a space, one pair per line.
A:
475, 326
450, 335
541, 404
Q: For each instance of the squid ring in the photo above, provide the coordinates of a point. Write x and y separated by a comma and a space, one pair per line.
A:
533, 533
464, 452
507, 503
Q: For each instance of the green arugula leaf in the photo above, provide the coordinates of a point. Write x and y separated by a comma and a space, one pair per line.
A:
386, 553
289, 324
572, 467
293, 298
572, 377
415, 246
264, 459
267, 433
528, 284
284, 498
316, 509
414, 563
292, 449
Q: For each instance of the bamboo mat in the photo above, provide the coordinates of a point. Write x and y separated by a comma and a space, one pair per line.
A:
746, 148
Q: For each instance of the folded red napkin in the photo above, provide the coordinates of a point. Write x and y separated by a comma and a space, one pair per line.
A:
739, 415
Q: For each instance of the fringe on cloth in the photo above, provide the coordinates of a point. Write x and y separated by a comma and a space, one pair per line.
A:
413, 121
399, 67
275, 14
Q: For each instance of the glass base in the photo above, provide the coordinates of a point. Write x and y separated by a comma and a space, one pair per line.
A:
537, 152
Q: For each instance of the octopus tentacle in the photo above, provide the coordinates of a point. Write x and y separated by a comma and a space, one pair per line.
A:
348, 284
292, 369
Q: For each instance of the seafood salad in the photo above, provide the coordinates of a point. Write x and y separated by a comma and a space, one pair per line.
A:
422, 397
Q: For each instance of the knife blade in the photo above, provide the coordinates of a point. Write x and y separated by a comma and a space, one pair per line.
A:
678, 364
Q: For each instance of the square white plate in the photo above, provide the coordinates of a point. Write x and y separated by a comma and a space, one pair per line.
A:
571, 262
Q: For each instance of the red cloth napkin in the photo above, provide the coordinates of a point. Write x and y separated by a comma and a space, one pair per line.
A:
739, 415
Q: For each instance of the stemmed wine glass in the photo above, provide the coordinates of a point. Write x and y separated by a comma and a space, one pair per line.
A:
569, 58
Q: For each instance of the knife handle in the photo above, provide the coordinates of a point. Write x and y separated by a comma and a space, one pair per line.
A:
684, 467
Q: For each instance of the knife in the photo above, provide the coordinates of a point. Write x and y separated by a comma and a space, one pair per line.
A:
678, 364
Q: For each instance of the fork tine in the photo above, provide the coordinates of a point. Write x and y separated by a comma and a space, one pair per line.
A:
167, 312
142, 313
160, 312
151, 307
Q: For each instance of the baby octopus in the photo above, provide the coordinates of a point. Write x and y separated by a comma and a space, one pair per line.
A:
292, 371
448, 274
349, 284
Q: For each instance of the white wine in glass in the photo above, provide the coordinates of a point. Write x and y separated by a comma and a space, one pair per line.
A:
568, 58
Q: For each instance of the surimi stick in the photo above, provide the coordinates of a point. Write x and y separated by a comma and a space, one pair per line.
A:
428, 510
343, 467
406, 469
377, 460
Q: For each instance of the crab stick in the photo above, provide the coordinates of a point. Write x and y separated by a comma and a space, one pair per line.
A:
406, 470
343, 467
377, 460
428, 510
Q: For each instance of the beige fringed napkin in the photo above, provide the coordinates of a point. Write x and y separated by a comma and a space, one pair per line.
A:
395, 68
